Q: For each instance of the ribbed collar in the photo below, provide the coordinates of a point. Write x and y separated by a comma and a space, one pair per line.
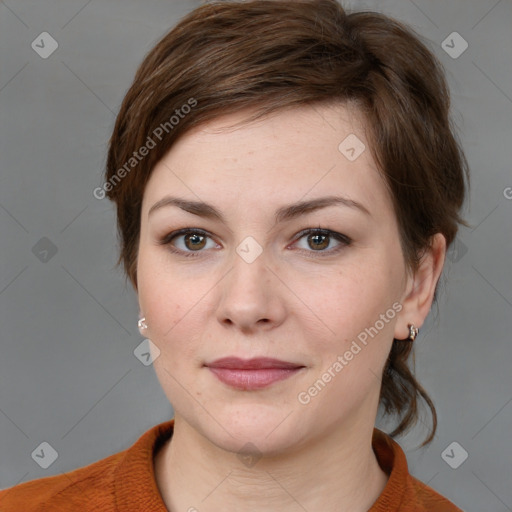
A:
391, 459
135, 481
136, 489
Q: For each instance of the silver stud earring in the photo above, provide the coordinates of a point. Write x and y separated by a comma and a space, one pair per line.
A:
413, 332
142, 324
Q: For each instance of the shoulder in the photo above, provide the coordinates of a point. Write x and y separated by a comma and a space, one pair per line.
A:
121, 481
86, 489
427, 499
403, 492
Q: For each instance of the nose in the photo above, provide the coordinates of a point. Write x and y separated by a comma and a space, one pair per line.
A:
251, 295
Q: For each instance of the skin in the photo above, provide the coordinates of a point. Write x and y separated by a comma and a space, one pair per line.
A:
286, 304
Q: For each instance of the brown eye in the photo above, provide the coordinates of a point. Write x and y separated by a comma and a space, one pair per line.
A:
191, 241
196, 241
318, 241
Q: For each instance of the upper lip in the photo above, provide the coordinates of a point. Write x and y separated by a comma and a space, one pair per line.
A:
251, 364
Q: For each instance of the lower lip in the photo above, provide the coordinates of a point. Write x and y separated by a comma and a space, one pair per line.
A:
252, 379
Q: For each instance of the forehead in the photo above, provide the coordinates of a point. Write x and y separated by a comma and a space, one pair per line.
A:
298, 153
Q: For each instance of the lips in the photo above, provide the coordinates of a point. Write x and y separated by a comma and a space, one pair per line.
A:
251, 364
252, 374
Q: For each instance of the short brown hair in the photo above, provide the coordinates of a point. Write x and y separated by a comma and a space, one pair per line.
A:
269, 55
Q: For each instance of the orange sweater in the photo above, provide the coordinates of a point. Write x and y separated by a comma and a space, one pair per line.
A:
125, 482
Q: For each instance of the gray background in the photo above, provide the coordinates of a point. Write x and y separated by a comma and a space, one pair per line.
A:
68, 374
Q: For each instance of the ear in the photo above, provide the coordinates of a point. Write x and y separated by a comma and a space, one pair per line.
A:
420, 288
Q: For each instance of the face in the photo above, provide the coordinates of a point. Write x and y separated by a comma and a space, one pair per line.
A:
262, 281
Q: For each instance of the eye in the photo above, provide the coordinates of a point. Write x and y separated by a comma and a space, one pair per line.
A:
319, 239
193, 239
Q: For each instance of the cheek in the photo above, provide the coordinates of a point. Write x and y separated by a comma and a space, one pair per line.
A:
359, 306
163, 296
360, 312
342, 303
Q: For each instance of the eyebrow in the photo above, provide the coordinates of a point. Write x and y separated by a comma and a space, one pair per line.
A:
285, 213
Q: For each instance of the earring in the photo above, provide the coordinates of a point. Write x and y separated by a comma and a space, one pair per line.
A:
413, 332
142, 324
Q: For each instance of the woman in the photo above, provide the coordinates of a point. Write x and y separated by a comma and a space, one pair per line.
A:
287, 185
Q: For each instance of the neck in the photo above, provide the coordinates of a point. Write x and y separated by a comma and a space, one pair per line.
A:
338, 472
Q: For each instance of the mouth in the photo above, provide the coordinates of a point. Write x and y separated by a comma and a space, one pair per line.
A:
251, 374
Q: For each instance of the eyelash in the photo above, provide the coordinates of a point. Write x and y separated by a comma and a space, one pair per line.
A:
345, 241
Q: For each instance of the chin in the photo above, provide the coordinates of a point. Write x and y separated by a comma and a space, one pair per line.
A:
253, 442
257, 429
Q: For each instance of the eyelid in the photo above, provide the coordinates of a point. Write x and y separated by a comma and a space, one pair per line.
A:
173, 234
324, 231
